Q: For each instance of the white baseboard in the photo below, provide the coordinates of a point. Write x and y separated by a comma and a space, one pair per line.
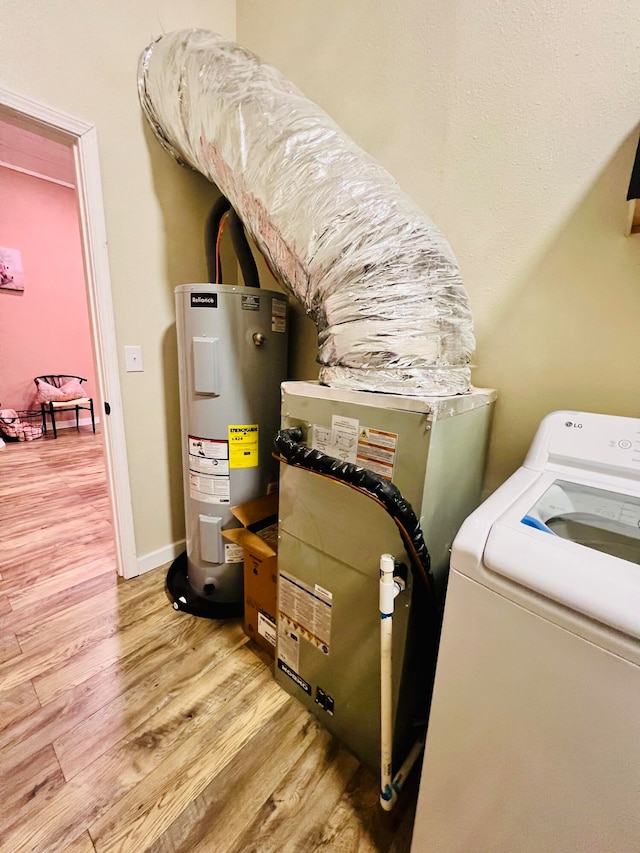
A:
162, 557
68, 423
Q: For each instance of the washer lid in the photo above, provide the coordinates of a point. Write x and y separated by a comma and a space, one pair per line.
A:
575, 543
596, 518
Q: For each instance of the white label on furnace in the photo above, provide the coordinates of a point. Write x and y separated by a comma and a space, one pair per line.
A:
305, 611
288, 644
267, 628
209, 489
323, 592
345, 438
278, 315
377, 451
322, 440
341, 441
233, 553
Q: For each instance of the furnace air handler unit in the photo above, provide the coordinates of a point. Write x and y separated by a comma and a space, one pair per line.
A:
331, 538
232, 352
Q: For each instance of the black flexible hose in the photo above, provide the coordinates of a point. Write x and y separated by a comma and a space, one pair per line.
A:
211, 228
243, 251
288, 442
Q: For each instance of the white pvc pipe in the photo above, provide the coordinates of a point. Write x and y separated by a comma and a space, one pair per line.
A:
388, 592
390, 786
401, 776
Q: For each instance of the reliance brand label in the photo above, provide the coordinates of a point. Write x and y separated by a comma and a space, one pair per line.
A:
204, 300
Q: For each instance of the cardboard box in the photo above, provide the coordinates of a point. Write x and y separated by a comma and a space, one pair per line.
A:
258, 537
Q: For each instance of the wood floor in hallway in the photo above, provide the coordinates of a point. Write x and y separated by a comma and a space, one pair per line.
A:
128, 727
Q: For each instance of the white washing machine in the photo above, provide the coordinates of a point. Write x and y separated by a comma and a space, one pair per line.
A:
534, 733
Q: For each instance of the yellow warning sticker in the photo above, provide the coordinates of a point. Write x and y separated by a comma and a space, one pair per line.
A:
243, 445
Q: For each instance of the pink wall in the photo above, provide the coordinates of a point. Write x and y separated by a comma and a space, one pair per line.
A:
45, 328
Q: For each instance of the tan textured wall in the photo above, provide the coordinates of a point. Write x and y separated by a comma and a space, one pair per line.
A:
514, 126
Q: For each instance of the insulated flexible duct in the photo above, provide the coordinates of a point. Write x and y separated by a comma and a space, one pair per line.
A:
371, 269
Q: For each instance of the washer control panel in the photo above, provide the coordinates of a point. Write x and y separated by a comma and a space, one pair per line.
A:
597, 442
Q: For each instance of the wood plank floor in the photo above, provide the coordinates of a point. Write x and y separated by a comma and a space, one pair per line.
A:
128, 727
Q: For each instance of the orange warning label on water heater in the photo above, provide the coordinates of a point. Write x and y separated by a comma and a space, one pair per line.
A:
243, 445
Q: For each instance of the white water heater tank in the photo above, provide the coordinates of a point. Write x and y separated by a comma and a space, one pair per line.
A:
232, 354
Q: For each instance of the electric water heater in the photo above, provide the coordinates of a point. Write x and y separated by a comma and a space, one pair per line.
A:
232, 356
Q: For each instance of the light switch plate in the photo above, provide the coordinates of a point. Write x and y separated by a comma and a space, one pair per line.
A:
133, 359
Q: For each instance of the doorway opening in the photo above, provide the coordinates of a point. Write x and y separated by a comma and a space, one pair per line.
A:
79, 140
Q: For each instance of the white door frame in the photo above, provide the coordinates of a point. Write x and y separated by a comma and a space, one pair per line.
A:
82, 137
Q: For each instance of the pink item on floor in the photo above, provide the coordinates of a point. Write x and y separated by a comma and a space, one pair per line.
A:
13, 427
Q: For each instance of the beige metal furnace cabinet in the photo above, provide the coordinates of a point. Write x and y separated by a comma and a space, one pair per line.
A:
331, 538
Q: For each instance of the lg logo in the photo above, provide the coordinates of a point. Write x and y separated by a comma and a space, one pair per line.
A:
572, 425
